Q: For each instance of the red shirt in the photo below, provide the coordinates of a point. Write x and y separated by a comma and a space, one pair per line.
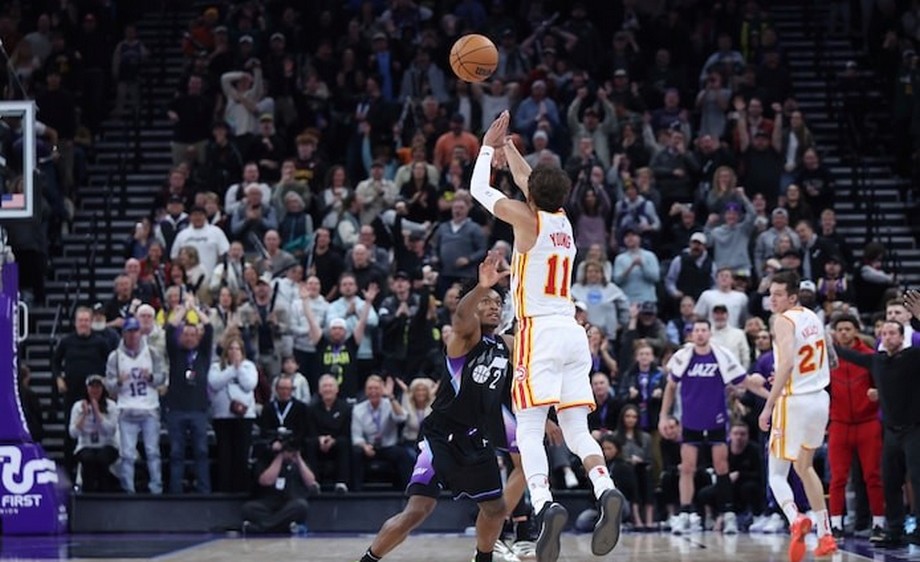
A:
849, 385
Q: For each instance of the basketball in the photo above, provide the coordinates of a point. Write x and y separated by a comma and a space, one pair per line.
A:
473, 58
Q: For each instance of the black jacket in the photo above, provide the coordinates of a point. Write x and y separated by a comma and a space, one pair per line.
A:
895, 378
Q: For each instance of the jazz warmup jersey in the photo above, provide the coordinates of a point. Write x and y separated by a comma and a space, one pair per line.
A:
552, 362
801, 413
467, 423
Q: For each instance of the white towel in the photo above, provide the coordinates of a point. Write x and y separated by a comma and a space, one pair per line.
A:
729, 367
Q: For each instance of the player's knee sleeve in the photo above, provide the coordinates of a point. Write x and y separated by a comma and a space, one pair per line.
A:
778, 473
574, 425
531, 429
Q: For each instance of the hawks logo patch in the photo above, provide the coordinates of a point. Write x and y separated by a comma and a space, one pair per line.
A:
520, 373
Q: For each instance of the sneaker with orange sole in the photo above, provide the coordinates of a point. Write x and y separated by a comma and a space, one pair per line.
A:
826, 546
798, 529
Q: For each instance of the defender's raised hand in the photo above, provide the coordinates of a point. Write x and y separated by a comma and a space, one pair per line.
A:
489, 273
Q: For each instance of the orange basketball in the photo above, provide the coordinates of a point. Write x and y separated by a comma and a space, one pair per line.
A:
473, 58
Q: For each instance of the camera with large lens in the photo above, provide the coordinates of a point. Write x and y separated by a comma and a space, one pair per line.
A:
286, 437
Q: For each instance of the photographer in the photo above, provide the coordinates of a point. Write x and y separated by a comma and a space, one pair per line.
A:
284, 484
285, 412
252, 219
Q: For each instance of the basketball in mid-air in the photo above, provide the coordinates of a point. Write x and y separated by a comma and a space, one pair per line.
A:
473, 58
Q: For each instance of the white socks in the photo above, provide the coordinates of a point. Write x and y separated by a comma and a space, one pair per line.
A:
601, 480
824, 525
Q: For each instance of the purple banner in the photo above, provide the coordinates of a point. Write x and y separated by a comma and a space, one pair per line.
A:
30, 499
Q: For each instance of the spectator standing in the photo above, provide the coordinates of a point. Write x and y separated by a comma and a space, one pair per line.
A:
189, 348
264, 322
134, 372
854, 430
231, 382
766, 245
728, 336
607, 304
127, 60
339, 352
76, 356
893, 371
460, 245
731, 239
252, 219
692, 272
209, 240
376, 194
405, 330
191, 114
736, 302
636, 270
94, 425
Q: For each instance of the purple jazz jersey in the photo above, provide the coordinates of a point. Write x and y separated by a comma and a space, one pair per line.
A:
764, 366
702, 394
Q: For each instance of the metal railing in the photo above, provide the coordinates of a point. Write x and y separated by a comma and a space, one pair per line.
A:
56, 402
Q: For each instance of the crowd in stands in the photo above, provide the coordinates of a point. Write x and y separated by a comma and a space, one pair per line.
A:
303, 259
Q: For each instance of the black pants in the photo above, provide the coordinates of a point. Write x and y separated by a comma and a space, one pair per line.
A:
308, 361
234, 437
747, 495
339, 456
397, 457
32, 266
900, 458
268, 517
94, 467
863, 514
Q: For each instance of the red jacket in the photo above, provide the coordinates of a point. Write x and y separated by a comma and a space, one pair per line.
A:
849, 384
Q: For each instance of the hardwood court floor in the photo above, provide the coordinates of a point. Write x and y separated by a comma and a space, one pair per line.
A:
707, 547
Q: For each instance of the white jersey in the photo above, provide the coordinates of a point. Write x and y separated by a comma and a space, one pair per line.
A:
542, 276
810, 363
137, 392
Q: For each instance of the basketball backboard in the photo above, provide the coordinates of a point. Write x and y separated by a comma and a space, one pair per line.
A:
17, 160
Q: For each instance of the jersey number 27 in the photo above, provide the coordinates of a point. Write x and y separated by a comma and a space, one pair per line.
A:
806, 355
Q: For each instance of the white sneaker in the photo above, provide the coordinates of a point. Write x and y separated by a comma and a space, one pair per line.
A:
670, 523
341, 488
571, 481
775, 524
525, 550
757, 525
729, 523
680, 524
501, 553
696, 524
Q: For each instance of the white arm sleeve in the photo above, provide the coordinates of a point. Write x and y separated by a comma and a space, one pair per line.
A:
479, 184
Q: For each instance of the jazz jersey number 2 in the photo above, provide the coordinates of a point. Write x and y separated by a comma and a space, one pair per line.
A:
807, 353
557, 286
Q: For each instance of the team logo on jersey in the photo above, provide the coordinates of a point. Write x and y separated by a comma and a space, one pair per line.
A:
480, 374
520, 373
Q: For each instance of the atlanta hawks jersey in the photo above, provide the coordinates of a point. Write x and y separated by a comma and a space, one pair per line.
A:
810, 365
541, 277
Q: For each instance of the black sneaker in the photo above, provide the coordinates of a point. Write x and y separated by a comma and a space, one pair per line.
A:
551, 521
838, 533
607, 529
877, 535
890, 539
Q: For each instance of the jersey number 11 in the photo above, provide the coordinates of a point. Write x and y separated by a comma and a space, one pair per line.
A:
554, 286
